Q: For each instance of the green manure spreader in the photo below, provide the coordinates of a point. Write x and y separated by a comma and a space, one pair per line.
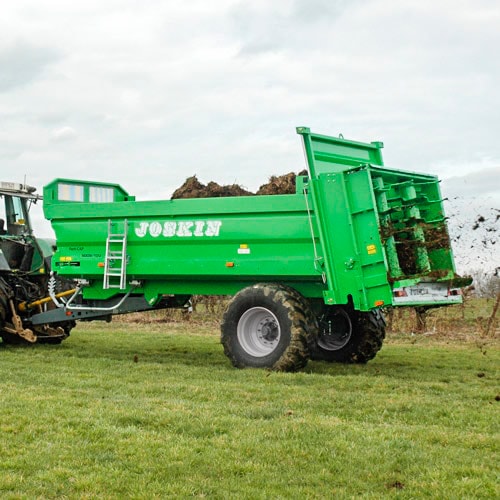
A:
308, 273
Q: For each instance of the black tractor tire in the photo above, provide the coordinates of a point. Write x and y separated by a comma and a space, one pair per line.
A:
5, 315
4, 307
265, 326
67, 326
6, 337
49, 340
347, 336
9, 338
14, 340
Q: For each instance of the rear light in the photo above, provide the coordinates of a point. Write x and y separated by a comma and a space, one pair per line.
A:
455, 291
400, 293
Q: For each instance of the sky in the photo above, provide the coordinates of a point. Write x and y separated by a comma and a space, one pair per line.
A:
147, 93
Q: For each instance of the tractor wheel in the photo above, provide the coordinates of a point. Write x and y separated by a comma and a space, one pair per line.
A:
348, 337
7, 338
66, 326
43, 337
3, 308
265, 326
3, 316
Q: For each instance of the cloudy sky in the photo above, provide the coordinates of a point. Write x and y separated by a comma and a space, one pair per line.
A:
146, 93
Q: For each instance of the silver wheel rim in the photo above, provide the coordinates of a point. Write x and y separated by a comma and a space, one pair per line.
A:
258, 332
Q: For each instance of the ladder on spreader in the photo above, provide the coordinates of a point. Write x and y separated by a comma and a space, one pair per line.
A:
115, 261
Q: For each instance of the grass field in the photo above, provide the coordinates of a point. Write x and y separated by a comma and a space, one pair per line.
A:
156, 410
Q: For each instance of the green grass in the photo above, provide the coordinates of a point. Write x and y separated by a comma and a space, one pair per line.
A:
85, 420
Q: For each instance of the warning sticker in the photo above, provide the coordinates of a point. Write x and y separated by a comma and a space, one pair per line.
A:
243, 249
371, 249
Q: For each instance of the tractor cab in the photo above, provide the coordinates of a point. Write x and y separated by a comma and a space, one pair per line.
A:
19, 250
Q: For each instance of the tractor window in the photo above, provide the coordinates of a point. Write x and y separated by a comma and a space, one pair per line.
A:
3, 219
15, 215
18, 215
